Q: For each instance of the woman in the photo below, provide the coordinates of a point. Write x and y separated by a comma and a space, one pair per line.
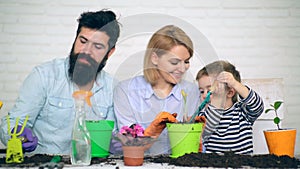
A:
141, 100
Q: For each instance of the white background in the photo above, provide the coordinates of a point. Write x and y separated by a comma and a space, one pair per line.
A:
260, 37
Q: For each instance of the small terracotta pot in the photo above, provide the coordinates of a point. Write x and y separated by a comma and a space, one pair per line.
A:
281, 142
133, 155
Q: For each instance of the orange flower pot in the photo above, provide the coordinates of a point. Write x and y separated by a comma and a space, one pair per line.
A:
281, 142
133, 155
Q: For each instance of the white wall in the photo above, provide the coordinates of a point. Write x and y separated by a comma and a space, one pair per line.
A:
261, 37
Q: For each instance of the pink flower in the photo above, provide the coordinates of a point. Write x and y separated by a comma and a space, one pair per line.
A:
139, 131
125, 130
133, 136
134, 130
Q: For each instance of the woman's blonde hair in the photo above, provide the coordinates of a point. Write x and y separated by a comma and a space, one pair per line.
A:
160, 43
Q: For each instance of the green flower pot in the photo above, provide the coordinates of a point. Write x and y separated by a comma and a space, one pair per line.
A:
100, 132
184, 138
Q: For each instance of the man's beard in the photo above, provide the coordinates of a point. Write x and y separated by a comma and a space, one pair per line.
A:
83, 73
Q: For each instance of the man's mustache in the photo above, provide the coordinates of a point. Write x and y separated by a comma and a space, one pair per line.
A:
86, 57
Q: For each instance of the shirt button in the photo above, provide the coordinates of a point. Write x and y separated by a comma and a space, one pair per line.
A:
60, 104
101, 114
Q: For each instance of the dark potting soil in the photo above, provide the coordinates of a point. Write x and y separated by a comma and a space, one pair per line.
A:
230, 160
191, 160
42, 161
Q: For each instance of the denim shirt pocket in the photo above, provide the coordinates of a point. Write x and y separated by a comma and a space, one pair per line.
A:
99, 112
60, 111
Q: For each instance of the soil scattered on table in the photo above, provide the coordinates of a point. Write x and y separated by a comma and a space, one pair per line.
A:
228, 160
43, 161
32, 161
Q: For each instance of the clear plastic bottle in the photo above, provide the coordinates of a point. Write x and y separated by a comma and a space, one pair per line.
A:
81, 144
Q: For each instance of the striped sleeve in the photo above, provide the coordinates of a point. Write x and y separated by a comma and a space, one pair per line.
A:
213, 117
252, 106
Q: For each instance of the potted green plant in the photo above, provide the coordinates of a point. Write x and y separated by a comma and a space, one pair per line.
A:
275, 107
280, 141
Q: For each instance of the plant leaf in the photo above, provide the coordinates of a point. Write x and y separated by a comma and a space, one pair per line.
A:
277, 104
267, 110
276, 120
184, 95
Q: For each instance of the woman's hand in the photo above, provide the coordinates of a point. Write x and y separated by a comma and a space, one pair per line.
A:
159, 123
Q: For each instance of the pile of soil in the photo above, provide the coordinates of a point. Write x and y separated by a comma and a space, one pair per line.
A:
228, 160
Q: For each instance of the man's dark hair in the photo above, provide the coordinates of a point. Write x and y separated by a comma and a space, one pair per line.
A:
104, 21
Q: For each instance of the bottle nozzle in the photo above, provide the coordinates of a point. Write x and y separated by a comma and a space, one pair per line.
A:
84, 94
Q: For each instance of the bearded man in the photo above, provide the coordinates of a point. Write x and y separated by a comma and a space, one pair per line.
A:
46, 94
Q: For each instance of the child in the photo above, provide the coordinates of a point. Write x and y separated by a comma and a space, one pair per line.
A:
232, 109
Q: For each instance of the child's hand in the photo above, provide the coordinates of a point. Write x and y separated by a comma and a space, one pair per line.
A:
226, 77
218, 88
219, 92
218, 97
232, 83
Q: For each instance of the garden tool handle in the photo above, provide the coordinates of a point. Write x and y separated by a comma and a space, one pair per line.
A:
206, 100
55, 163
16, 125
56, 159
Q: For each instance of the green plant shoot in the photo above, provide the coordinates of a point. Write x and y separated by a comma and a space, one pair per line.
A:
275, 108
185, 115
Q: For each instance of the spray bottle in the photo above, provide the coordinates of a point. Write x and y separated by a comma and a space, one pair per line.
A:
81, 144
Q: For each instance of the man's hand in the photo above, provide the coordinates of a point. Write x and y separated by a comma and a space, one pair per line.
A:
29, 142
159, 123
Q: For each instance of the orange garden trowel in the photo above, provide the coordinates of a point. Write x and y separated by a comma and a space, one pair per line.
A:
14, 152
